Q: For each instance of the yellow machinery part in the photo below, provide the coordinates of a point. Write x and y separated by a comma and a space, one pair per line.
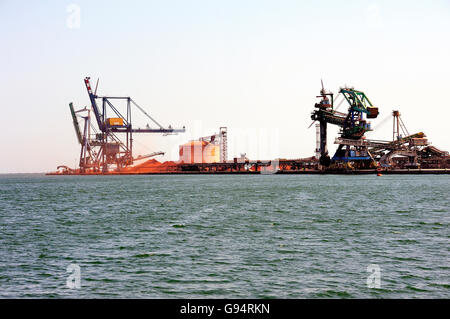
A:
115, 121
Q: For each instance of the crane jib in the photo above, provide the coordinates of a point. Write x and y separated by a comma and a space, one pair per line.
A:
97, 113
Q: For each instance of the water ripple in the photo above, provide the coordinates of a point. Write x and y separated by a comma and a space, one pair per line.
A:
225, 236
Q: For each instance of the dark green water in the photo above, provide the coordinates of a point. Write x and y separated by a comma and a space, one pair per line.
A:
225, 236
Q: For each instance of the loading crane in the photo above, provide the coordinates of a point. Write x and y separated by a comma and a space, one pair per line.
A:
353, 125
106, 148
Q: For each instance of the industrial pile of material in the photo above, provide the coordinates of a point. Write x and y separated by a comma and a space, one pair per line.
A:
151, 166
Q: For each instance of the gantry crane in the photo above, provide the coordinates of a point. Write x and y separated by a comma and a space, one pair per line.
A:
107, 148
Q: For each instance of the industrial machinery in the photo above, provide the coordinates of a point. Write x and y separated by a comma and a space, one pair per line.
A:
406, 150
355, 151
351, 152
223, 135
104, 149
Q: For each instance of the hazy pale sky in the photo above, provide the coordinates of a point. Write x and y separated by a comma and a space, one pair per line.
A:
253, 66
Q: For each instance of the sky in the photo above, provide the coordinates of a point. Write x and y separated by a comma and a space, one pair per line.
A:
252, 66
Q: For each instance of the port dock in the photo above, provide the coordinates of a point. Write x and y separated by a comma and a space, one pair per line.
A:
107, 143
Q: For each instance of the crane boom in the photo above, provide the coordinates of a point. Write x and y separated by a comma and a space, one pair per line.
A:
76, 125
139, 157
92, 96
